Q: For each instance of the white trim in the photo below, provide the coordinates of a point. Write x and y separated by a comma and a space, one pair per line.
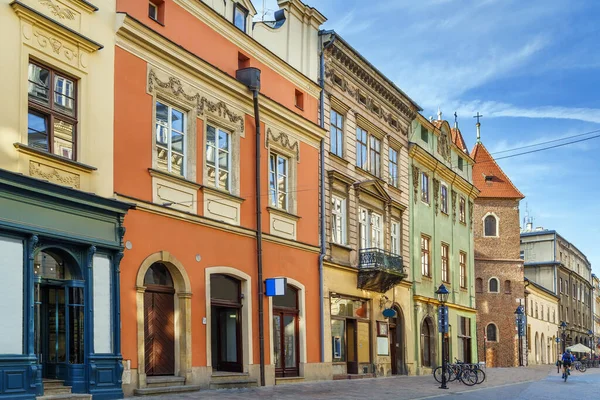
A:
497, 224
301, 324
11, 312
498, 284
247, 333
342, 217
497, 333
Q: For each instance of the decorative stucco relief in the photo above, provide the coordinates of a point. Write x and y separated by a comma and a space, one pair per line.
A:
471, 215
454, 196
443, 145
415, 181
58, 11
284, 141
54, 175
436, 194
370, 105
51, 45
202, 104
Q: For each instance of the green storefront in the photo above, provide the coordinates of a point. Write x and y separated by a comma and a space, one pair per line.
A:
60, 251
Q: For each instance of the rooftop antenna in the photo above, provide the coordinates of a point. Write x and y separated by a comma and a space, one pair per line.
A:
478, 125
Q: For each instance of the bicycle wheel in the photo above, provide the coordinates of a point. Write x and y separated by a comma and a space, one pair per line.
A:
468, 377
453, 373
437, 374
480, 375
582, 368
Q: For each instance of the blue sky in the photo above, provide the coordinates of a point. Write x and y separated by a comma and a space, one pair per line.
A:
532, 68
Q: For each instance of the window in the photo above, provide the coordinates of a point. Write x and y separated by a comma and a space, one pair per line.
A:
493, 285
522, 254
278, 181
478, 285
507, 287
424, 135
338, 220
336, 133
444, 199
371, 229
492, 333
445, 273
536, 310
541, 311
425, 187
460, 163
490, 228
393, 168
368, 152
464, 339
156, 10
52, 115
240, 14
463, 269
299, 99
218, 157
395, 237
462, 210
153, 11
428, 340
170, 139
425, 256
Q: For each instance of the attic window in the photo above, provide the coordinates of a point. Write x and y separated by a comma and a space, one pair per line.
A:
489, 178
299, 99
460, 163
362, 99
394, 123
240, 15
156, 11
338, 80
376, 109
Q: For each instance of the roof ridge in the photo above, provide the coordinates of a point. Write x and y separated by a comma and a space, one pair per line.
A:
474, 154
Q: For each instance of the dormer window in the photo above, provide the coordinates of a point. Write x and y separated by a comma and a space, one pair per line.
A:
240, 15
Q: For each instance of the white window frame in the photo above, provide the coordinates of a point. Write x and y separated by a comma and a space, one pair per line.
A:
338, 220
462, 263
393, 180
368, 166
336, 131
395, 235
169, 130
424, 191
425, 267
154, 7
497, 285
370, 229
497, 234
286, 178
444, 199
462, 210
445, 263
217, 150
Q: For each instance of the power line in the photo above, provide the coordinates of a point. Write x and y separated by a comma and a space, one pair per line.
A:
547, 142
549, 147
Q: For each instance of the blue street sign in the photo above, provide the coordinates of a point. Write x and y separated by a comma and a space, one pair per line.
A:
275, 286
443, 319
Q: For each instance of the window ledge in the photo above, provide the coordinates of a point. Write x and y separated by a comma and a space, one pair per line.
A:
30, 151
157, 21
445, 214
365, 172
338, 158
341, 246
222, 193
174, 178
283, 213
394, 188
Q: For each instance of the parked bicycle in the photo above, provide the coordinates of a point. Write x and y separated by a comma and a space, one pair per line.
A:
468, 374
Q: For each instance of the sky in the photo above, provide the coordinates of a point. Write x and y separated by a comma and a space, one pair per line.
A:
532, 68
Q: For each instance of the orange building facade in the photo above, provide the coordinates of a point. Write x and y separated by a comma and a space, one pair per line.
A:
185, 155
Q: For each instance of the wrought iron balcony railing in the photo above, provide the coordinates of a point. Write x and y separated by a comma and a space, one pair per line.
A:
380, 259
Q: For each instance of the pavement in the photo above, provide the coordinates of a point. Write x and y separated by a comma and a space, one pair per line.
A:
523, 383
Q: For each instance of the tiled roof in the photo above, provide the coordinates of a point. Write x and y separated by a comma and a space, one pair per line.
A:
497, 185
458, 140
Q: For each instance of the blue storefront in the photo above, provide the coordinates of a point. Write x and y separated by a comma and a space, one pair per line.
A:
60, 251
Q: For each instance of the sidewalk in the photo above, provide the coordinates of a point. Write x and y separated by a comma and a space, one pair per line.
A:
399, 387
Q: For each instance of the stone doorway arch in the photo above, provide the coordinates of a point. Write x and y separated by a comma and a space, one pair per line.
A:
183, 317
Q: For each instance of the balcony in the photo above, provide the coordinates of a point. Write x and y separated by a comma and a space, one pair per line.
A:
379, 270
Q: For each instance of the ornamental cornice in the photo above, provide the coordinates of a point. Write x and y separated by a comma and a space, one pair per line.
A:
415, 181
283, 140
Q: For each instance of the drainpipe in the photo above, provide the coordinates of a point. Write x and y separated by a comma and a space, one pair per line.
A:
251, 78
525, 353
332, 37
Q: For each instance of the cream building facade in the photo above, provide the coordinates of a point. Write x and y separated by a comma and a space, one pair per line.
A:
366, 193
542, 324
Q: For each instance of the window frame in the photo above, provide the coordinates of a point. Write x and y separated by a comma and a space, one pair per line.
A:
393, 165
217, 151
366, 229
341, 215
425, 256
170, 108
487, 332
462, 256
462, 210
338, 127
153, 6
425, 188
49, 113
286, 176
395, 237
485, 218
490, 285
444, 198
237, 6
445, 262
365, 149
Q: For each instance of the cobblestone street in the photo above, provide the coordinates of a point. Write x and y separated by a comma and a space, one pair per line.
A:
501, 383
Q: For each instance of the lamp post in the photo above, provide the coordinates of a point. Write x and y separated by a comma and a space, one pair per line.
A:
519, 319
591, 335
442, 295
563, 327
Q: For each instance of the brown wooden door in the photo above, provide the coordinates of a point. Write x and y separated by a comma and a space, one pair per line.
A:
159, 331
394, 350
351, 346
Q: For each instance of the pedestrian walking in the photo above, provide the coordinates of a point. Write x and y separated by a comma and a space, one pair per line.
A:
558, 365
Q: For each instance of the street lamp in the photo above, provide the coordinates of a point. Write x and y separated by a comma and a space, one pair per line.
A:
442, 296
563, 327
519, 319
591, 335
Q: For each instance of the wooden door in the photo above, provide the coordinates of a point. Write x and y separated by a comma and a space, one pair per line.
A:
394, 350
351, 346
286, 344
159, 331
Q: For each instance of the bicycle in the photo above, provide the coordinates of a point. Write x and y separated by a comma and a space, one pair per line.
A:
579, 366
566, 371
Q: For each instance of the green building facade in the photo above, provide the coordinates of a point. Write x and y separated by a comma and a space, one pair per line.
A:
441, 251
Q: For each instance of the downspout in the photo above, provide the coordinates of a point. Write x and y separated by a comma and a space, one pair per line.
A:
251, 78
322, 183
525, 351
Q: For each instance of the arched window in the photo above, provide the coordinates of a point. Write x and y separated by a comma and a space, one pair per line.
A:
490, 226
493, 285
427, 343
536, 310
492, 333
507, 286
541, 311
479, 285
